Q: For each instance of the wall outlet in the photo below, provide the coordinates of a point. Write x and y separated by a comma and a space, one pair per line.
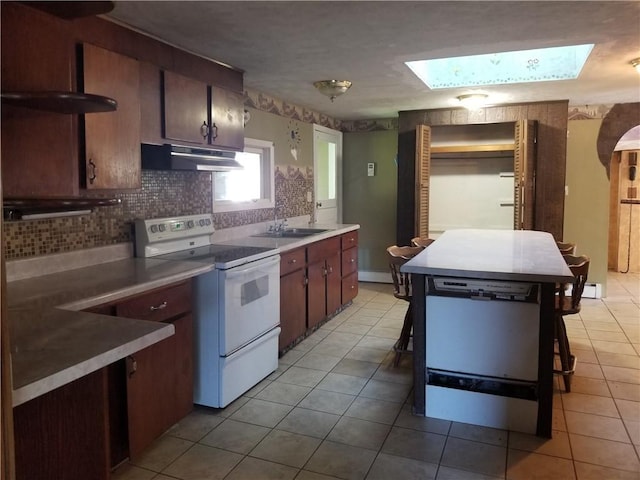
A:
371, 169
309, 199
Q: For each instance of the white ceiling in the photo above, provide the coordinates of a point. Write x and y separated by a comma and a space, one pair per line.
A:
283, 47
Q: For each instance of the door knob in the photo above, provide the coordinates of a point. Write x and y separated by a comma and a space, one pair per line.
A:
318, 204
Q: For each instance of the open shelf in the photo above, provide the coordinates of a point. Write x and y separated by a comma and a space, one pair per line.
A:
60, 102
500, 147
16, 208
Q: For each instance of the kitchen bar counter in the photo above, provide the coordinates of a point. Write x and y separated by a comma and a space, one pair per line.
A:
515, 255
53, 343
488, 325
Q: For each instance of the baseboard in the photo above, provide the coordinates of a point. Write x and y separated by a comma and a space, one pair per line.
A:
592, 290
374, 277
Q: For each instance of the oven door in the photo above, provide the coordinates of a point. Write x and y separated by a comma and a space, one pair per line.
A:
249, 303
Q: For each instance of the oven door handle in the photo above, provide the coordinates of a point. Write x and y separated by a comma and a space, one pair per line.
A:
257, 265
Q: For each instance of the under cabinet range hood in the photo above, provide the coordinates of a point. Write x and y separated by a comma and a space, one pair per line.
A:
181, 157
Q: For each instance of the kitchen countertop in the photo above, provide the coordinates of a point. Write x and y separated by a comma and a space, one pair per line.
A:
54, 343
516, 255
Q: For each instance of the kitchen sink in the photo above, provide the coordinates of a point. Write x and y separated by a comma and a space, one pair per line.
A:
291, 233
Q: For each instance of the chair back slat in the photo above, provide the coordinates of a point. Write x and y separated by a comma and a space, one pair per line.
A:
423, 242
566, 248
579, 266
398, 256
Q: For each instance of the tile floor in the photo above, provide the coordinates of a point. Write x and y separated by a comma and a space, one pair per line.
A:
336, 408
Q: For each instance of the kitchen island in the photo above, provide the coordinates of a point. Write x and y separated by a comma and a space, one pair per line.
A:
483, 303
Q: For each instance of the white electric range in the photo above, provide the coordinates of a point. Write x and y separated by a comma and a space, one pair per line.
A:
236, 305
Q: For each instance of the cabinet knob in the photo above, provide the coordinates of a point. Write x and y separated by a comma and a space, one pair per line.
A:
293, 260
353, 260
306, 281
92, 175
153, 308
214, 131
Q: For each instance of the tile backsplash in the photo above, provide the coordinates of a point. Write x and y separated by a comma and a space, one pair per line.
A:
163, 194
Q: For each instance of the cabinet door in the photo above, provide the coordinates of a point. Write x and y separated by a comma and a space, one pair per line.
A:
316, 293
228, 118
185, 109
150, 394
293, 303
183, 367
334, 284
112, 140
62, 434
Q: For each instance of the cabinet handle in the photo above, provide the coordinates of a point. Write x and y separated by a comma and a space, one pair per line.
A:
153, 308
292, 261
306, 281
204, 130
324, 272
330, 269
132, 365
318, 204
214, 131
353, 260
94, 169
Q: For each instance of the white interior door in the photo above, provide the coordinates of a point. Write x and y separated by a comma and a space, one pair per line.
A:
327, 172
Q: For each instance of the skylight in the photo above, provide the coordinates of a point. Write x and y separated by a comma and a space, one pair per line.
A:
537, 65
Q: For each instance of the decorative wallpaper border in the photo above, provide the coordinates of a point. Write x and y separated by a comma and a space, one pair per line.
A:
294, 172
588, 112
277, 106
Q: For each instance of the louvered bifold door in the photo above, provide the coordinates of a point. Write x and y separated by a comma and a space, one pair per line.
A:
423, 165
524, 178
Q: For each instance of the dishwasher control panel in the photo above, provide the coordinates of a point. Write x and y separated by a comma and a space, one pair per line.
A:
482, 289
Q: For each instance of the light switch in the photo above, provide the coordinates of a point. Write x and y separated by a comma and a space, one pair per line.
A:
371, 169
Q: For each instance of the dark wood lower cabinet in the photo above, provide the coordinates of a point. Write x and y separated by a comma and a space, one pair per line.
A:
64, 433
293, 307
316, 282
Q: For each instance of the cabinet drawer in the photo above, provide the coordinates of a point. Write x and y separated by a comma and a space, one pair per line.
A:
349, 287
323, 249
349, 239
291, 261
158, 305
349, 261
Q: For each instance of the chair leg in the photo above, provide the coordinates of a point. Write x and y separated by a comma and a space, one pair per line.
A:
567, 361
402, 344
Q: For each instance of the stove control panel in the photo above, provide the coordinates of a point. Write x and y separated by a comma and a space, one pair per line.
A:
159, 235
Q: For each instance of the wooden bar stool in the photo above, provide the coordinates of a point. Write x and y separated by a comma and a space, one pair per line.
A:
566, 248
568, 303
398, 256
423, 242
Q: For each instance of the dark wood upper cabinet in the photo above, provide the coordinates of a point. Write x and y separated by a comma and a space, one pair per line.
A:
228, 118
185, 109
197, 113
38, 155
112, 140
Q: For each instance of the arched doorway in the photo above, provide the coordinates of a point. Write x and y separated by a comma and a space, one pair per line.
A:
624, 205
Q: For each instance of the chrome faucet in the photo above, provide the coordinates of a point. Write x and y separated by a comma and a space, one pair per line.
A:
277, 227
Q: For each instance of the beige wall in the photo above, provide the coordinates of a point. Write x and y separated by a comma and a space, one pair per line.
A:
277, 129
586, 208
371, 201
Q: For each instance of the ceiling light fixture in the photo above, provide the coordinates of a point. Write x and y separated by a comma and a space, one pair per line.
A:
332, 88
636, 64
472, 101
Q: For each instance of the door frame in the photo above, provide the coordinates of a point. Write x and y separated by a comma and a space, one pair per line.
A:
337, 135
